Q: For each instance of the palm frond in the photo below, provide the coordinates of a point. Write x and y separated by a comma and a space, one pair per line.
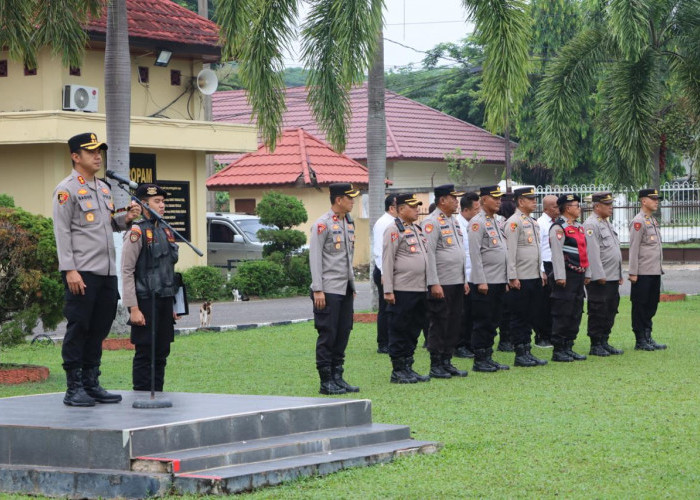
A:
234, 18
629, 25
16, 30
686, 69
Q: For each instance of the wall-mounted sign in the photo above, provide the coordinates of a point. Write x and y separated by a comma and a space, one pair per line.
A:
177, 206
142, 168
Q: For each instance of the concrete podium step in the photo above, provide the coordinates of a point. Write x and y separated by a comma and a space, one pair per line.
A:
213, 443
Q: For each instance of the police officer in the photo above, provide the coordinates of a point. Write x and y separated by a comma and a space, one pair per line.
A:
525, 278
567, 240
84, 219
405, 274
488, 253
605, 261
645, 269
505, 340
148, 267
447, 284
386, 220
331, 250
469, 205
543, 329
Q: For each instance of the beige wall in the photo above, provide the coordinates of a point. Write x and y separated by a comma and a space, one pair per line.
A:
316, 202
421, 175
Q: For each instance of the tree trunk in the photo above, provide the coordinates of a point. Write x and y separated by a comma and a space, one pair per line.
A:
509, 166
656, 171
376, 146
203, 10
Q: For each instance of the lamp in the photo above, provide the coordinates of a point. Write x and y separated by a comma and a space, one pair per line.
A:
163, 57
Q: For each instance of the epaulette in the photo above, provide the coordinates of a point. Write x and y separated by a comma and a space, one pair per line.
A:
348, 218
399, 224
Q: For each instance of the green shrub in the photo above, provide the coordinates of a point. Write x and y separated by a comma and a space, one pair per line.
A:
204, 283
299, 272
6, 201
259, 277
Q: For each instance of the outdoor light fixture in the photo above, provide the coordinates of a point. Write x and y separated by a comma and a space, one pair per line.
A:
163, 57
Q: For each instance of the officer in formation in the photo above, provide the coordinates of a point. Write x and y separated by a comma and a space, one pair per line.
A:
567, 240
470, 207
488, 283
645, 269
331, 248
550, 213
149, 256
605, 260
386, 220
525, 277
84, 219
447, 284
405, 278
505, 340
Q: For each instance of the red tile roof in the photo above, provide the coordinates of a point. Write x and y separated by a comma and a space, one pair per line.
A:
298, 155
165, 24
414, 131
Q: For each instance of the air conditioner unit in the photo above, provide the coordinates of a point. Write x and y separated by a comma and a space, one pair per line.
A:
80, 98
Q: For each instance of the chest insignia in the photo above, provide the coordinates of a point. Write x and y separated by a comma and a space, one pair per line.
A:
149, 235
475, 227
90, 217
82, 191
495, 241
337, 246
105, 190
589, 232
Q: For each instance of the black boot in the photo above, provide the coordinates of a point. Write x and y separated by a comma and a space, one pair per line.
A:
540, 362
597, 348
328, 385
612, 350
642, 344
481, 361
76, 395
452, 369
416, 375
521, 357
400, 375
383, 349
652, 342
91, 383
572, 353
437, 370
340, 382
505, 346
560, 353
495, 363
463, 352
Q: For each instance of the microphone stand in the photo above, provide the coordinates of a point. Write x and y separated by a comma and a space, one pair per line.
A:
153, 402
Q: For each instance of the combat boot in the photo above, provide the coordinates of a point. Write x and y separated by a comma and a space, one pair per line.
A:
597, 349
560, 354
399, 374
328, 385
76, 395
612, 350
481, 363
652, 342
416, 375
505, 346
521, 357
437, 369
339, 381
91, 384
642, 344
452, 369
573, 354
540, 362
495, 363
463, 352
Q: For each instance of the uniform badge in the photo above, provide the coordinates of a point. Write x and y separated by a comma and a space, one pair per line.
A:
337, 238
394, 236
495, 241
169, 234
529, 239
81, 180
88, 204
647, 222
336, 226
351, 227
62, 197
337, 246
90, 217
82, 191
475, 227
589, 232
428, 228
335, 218
320, 228
149, 235
413, 249
105, 190
449, 240
652, 238
560, 234
637, 226
513, 226
488, 224
135, 234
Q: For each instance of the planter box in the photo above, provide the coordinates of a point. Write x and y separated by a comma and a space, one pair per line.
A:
671, 297
20, 374
364, 317
117, 343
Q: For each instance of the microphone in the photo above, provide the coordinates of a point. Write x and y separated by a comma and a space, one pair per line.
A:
121, 180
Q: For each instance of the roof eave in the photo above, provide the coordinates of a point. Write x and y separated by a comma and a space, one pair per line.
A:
209, 53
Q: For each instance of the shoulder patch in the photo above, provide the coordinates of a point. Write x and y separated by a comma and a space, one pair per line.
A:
560, 234
320, 227
475, 227
62, 197
394, 236
637, 226
135, 233
428, 228
589, 232
513, 226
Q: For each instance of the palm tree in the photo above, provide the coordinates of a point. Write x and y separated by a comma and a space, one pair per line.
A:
639, 58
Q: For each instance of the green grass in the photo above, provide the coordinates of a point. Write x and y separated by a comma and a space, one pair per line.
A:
618, 427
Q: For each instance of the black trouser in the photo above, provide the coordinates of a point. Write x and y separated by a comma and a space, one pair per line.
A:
645, 300
504, 333
603, 301
90, 318
525, 305
333, 324
141, 338
543, 326
406, 317
445, 320
465, 338
486, 311
382, 319
567, 309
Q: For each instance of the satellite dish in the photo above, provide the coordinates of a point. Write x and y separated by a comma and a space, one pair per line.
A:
207, 82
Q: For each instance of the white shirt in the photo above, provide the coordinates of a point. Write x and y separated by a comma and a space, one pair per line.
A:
545, 222
464, 224
378, 237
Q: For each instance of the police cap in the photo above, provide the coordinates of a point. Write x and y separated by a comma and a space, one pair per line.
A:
148, 190
88, 141
568, 198
408, 199
493, 191
343, 189
650, 193
602, 197
446, 190
525, 192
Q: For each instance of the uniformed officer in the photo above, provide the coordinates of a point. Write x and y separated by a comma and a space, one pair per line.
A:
386, 220
405, 273
447, 284
543, 329
331, 250
567, 240
645, 269
525, 278
505, 340
605, 261
470, 207
84, 219
488, 253
148, 270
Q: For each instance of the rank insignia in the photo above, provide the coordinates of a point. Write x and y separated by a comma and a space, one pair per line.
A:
513, 226
337, 246
589, 232
394, 236
82, 191
105, 190
135, 234
488, 224
495, 241
62, 197
335, 218
637, 226
428, 228
81, 180
647, 222
90, 217
320, 228
475, 227
336, 226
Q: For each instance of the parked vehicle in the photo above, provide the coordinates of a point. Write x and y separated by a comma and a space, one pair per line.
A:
232, 238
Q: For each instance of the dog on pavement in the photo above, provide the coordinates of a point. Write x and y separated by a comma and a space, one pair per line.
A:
205, 315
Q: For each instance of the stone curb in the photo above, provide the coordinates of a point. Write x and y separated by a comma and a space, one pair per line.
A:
244, 326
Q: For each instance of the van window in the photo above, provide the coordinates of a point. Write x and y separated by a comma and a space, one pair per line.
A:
250, 227
220, 233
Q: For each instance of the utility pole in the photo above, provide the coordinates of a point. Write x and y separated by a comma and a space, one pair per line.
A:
203, 10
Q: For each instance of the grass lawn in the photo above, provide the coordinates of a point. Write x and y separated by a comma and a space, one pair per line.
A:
618, 427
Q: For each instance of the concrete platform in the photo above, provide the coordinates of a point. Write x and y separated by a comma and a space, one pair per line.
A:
205, 443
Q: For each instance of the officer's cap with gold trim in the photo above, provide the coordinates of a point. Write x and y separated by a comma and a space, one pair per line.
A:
568, 198
343, 189
650, 193
88, 141
148, 190
493, 191
446, 190
602, 197
408, 199
525, 192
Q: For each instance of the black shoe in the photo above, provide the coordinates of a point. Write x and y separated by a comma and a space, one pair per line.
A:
505, 346
399, 374
543, 343
522, 358
91, 383
383, 349
641, 343
463, 352
598, 350
328, 385
451, 369
576, 356
612, 350
482, 361
437, 370
338, 371
76, 395
416, 375
652, 342
560, 355
498, 365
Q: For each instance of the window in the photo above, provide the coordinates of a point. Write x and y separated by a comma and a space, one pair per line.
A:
143, 74
175, 77
3, 67
220, 233
29, 72
244, 206
73, 71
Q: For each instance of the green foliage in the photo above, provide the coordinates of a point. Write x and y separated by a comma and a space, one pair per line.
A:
462, 169
204, 283
259, 277
281, 210
284, 241
30, 284
299, 272
6, 200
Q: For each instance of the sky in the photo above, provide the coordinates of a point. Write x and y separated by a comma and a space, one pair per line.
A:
419, 24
